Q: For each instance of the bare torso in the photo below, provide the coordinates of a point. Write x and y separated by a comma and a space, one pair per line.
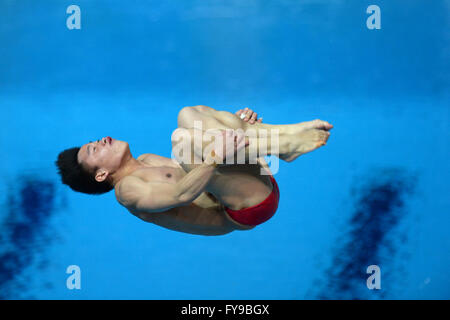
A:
205, 215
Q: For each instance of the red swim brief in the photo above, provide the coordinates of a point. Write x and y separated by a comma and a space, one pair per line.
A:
259, 213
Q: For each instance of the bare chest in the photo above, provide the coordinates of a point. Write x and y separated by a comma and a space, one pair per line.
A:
204, 215
160, 169
160, 174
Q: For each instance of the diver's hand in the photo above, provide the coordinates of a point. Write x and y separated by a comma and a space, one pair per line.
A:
248, 116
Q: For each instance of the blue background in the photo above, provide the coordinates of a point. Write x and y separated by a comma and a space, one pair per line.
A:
376, 194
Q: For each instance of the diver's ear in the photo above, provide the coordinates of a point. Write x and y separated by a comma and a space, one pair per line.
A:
101, 175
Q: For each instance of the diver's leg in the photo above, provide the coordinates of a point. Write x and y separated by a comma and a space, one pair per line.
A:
292, 140
241, 186
236, 186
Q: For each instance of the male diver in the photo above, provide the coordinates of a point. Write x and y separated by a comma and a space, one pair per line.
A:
207, 196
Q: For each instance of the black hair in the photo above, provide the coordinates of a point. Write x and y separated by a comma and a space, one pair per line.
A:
78, 178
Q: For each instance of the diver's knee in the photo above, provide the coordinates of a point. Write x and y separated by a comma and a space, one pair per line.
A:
185, 115
188, 115
203, 109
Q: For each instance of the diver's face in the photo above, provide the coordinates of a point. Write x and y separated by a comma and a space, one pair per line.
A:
105, 155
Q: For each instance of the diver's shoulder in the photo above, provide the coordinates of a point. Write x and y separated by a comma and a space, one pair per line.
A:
128, 182
125, 189
144, 156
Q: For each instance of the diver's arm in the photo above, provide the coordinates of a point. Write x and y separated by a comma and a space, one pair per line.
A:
136, 194
251, 117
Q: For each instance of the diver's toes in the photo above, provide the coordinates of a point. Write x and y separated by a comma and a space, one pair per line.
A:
322, 137
321, 124
326, 125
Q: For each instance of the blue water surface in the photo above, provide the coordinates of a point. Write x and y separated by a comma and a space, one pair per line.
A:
376, 194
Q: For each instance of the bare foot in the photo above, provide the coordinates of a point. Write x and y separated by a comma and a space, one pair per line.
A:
306, 137
315, 124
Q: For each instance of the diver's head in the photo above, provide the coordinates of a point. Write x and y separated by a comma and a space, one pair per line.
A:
90, 168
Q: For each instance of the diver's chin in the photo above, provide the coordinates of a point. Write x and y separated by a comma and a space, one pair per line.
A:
127, 148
